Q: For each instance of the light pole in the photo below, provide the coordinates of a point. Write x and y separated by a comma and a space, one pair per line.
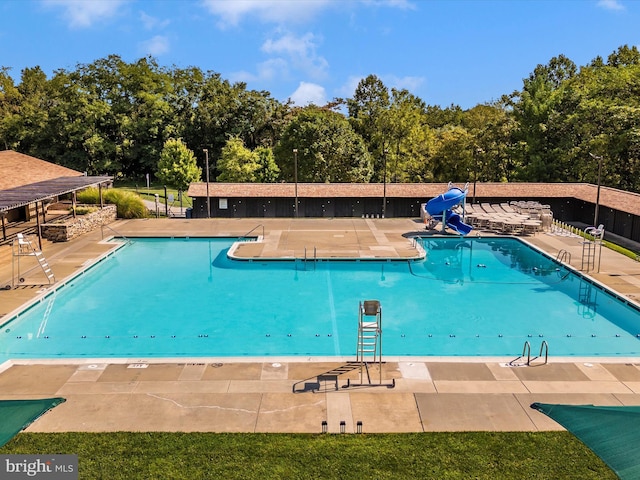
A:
295, 177
384, 183
477, 152
595, 216
206, 162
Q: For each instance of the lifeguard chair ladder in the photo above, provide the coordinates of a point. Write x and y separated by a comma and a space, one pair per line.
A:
369, 347
23, 247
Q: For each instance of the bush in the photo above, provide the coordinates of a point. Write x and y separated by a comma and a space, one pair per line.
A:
85, 210
90, 195
128, 204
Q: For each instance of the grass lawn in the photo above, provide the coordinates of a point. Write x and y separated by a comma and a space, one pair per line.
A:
149, 193
195, 456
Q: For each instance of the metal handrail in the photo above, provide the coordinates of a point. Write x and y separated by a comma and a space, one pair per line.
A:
526, 348
564, 256
251, 231
544, 346
102, 227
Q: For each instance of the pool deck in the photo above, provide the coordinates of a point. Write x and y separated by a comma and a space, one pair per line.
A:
298, 394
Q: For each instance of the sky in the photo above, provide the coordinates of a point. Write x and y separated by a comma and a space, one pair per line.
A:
462, 52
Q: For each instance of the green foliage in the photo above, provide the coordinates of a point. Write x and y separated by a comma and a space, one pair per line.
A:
85, 210
268, 171
477, 455
89, 195
128, 204
328, 149
177, 166
114, 117
237, 163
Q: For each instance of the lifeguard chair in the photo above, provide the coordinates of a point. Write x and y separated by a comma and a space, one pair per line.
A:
369, 347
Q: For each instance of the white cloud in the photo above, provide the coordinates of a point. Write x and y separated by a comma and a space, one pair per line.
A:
402, 4
348, 89
266, 71
611, 5
300, 51
151, 23
231, 13
155, 46
408, 82
85, 13
309, 93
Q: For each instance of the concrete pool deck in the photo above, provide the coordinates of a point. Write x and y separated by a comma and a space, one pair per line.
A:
257, 395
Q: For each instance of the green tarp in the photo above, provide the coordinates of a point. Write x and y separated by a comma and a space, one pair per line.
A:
16, 415
612, 433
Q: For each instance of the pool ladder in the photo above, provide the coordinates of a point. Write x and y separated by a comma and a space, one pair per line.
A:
564, 257
306, 258
526, 352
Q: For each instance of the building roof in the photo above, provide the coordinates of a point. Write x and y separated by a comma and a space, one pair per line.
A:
36, 192
609, 197
19, 169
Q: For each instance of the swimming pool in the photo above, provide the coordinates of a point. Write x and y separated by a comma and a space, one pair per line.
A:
185, 298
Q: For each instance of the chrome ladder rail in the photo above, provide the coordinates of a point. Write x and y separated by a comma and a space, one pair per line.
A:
102, 227
526, 349
564, 256
251, 231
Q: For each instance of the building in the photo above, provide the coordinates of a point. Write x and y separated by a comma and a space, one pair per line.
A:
618, 210
28, 185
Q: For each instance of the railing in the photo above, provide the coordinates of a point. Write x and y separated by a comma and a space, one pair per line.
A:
526, 351
251, 231
544, 346
102, 227
564, 256
315, 257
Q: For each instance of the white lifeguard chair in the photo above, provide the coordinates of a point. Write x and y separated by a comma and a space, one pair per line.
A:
23, 247
369, 347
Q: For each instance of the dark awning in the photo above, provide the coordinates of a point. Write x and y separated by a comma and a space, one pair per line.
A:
611, 432
36, 192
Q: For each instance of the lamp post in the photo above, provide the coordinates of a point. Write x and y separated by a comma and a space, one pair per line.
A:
384, 183
295, 177
477, 152
206, 161
595, 216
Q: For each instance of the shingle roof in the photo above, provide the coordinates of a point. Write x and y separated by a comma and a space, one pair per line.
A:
17, 169
609, 197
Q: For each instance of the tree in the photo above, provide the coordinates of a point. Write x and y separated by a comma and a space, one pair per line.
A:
328, 148
237, 163
408, 139
538, 142
10, 101
177, 166
366, 108
268, 171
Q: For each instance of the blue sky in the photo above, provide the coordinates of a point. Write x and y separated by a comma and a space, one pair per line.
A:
445, 52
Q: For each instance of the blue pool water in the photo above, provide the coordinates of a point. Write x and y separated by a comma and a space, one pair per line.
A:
184, 297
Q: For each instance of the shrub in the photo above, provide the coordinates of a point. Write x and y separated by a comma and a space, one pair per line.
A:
128, 204
90, 195
85, 210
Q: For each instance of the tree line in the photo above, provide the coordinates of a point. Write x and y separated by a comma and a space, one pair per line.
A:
112, 117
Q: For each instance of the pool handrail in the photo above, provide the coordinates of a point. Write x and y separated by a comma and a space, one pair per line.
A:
251, 231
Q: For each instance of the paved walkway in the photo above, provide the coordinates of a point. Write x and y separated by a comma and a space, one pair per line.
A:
285, 395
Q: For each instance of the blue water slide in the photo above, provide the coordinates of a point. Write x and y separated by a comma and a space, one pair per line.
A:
440, 206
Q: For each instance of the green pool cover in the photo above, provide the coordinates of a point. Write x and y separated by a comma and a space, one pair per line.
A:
612, 433
16, 415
